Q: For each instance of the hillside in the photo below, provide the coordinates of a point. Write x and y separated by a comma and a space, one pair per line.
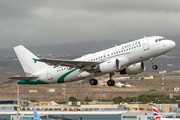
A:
81, 89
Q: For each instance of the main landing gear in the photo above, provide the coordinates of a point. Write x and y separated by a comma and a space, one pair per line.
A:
93, 82
154, 65
109, 82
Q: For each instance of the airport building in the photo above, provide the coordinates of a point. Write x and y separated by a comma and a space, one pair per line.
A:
81, 115
94, 111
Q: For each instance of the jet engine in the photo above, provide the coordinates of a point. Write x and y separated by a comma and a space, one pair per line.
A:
110, 66
134, 69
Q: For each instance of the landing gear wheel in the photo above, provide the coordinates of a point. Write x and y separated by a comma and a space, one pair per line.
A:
110, 83
93, 82
154, 67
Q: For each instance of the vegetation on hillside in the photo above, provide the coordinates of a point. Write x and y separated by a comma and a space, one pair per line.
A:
142, 99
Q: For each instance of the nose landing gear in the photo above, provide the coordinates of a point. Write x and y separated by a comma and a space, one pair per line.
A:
154, 65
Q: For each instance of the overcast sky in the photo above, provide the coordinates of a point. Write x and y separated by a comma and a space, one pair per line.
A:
49, 22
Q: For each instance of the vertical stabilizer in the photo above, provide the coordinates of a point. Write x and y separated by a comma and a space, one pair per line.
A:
156, 114
35, 115
28, 60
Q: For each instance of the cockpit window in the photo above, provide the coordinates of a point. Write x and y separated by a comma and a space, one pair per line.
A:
160, 39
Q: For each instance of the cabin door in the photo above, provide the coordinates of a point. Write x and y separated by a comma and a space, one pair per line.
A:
145, 44
49, 74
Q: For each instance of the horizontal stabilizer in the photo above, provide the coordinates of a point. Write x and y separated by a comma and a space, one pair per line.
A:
22, 78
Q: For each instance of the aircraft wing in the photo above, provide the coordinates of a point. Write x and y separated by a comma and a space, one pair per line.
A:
69, 63
22, 78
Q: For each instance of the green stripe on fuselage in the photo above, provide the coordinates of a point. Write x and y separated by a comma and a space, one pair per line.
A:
61, 79
31, 82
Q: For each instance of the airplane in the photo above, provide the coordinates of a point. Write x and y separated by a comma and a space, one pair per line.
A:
35, 115
123, 59
157, 116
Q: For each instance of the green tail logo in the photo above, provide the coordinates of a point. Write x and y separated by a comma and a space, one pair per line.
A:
35, 60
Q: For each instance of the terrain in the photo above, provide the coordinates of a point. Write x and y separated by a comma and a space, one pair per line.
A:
81, 89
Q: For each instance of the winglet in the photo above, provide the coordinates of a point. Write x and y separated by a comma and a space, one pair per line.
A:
36, 116
35, 60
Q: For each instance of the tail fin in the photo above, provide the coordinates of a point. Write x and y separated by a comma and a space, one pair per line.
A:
156, 114
28, 60
36, 116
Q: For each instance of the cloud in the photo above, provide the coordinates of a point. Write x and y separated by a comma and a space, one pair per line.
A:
36, 23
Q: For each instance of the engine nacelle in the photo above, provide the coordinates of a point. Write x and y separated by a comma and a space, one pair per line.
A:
134, 69
110, 66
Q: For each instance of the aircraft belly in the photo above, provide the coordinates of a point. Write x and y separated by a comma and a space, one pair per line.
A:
84, 75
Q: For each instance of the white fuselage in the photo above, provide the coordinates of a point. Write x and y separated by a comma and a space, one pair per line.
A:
168, 119
128, 54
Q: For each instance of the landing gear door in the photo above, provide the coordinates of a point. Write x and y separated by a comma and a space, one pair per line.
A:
49, 74
145, 43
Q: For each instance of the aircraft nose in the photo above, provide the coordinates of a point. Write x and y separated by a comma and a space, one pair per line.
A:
172, 44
